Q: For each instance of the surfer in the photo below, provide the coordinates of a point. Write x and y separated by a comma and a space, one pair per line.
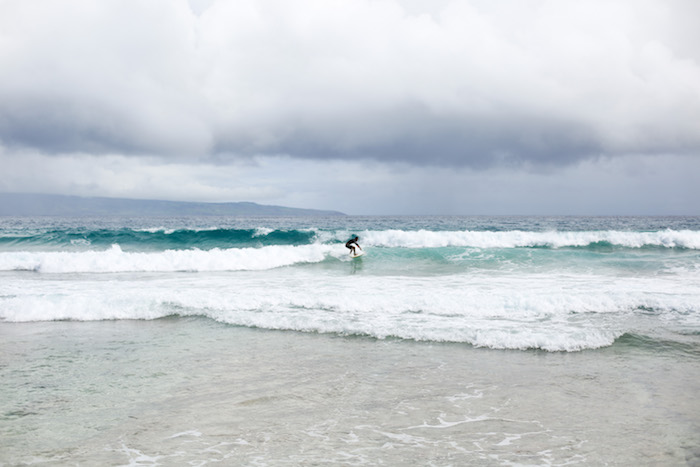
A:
352, 244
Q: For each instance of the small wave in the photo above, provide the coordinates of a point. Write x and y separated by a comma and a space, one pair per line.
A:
660, 345
116, 260
501, 334
552, 313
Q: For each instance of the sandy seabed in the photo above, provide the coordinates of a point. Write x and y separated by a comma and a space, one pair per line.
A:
190, 391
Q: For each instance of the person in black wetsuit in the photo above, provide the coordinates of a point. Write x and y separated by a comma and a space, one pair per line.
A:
352, 244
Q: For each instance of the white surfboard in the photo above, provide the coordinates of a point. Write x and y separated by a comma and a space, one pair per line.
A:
358, 253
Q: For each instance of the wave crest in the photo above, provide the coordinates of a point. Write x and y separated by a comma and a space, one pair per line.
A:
116, 260
685, 239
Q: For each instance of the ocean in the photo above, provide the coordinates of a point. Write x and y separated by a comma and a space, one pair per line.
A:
259, 341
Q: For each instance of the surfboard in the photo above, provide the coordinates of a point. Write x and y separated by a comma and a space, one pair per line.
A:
358, 254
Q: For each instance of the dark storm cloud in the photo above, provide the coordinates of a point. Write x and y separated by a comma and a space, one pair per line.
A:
454, 83
423, 139
58, 128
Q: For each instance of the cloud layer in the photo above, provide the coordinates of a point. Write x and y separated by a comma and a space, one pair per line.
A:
448, 83
630, 185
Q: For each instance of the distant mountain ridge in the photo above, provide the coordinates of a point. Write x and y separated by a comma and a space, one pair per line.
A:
23, 204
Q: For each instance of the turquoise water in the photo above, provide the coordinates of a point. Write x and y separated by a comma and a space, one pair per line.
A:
453, 340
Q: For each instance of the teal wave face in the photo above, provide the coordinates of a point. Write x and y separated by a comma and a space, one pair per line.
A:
157, 240
672, 348
429, 241
469, 260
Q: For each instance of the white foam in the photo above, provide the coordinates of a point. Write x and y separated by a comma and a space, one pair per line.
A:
550, 312
262, 231
194, 433
513, 239
116, 260
169, 231
81, 242
154, 230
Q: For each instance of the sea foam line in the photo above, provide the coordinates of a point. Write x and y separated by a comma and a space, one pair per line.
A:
548, 311
116, 260
688, 239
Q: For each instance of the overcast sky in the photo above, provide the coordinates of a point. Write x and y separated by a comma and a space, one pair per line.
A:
362, 106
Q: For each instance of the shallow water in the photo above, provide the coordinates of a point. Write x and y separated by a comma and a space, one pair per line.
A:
190, 391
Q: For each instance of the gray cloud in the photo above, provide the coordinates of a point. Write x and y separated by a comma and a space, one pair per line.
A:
628, 185
455, 83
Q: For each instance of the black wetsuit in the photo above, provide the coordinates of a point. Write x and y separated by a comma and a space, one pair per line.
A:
352, 244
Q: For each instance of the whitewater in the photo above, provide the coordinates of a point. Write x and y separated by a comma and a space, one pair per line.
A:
565, 285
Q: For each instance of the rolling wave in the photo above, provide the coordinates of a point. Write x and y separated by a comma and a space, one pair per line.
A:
683, 239
260, 249
530, 312
161, 239
117, 260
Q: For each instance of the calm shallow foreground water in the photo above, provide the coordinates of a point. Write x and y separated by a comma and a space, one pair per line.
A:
191, 391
